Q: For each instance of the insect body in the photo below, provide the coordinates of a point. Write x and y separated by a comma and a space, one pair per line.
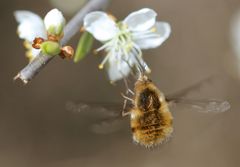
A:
151, 121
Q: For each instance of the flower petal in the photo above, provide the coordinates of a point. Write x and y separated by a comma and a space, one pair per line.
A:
100, 25
138, 62
153, 39
117, 69
54, 22
30, 25
141, 20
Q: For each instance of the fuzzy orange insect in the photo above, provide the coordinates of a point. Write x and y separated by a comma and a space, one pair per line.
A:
151, 120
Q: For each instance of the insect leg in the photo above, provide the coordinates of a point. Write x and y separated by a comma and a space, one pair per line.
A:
127, 98
124, 112
130, 91
127, 87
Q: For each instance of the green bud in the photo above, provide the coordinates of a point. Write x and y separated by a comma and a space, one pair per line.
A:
84, 46
50, 48
51, 30
58, 31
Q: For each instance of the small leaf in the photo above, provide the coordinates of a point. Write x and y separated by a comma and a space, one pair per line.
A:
84, 46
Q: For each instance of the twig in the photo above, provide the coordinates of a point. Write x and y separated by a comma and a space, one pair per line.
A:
73, 26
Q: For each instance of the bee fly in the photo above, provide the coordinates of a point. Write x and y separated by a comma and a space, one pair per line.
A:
150, 117
151, 120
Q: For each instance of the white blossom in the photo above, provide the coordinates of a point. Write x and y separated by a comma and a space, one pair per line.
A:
124, 40
54, 22
32, 26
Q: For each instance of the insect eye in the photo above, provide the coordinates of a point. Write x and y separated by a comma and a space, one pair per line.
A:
149, 80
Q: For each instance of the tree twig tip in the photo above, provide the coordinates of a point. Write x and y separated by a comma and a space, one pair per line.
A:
18, 76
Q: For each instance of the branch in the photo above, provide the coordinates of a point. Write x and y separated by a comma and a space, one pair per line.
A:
73, 26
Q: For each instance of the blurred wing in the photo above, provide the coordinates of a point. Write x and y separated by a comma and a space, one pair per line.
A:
107, 126
101, 110
30, 25
203, 105
107, 117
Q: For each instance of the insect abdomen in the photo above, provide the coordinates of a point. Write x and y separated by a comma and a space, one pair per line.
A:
151, 128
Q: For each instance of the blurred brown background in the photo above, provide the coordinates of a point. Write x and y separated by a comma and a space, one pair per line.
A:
36, 129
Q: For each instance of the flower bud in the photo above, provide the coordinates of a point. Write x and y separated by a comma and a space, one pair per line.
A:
54, 22
50, 48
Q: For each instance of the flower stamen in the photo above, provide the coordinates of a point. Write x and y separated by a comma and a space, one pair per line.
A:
37, 42
104, 61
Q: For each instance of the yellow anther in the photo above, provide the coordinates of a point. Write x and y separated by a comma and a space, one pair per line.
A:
82, 29
129, 47
100, 66
154, 29
149, 71
112, 82
29, 55
27, 44
112, 17
95, 52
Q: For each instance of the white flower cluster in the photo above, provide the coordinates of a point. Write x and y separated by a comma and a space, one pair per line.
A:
124, 40
32, 26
